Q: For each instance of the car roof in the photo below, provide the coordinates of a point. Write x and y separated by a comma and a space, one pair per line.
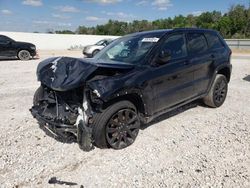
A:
165, 31
159, 32
194, 29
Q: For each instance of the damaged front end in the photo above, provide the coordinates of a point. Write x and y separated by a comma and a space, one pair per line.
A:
67, 100
64, 114
60, 103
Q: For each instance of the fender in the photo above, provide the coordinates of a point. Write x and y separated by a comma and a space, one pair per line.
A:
218, 68
111, 93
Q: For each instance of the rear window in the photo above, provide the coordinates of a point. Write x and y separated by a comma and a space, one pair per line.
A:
197, 43
214, 41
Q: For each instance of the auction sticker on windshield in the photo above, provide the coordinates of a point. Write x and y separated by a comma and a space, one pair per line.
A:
150, 39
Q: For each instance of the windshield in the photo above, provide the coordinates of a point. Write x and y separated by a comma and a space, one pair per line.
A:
128, 49
101, 42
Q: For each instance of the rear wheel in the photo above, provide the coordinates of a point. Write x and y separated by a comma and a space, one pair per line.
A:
24, 55
218, 92
117, 126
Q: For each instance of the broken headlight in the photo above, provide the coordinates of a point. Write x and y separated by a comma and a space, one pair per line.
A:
95, 97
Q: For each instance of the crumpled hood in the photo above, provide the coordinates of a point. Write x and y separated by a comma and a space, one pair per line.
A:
66, 73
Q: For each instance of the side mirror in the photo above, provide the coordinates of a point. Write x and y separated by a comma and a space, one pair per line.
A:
164, 56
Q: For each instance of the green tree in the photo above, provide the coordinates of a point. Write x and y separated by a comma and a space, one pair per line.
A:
64, 32
224, 26
239, 21
235, 23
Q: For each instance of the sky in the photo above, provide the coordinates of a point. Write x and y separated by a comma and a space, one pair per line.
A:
51, 15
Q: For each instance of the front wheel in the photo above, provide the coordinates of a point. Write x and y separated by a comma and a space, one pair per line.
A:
24, 55
117, 126
218, 92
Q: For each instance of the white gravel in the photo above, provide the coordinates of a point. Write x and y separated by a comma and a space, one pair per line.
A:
196, 147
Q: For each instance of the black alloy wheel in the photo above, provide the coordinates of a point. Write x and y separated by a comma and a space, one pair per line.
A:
122, 128
220, 92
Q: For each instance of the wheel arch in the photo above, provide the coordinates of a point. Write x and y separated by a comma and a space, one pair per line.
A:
226, 72
94, 52
134, 98
20, 49
222, 69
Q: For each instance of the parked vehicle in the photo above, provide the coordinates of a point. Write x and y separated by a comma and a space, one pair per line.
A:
12, 48
91, 50
104, 100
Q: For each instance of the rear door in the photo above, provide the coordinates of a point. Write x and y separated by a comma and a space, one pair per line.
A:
200, 59
218, 50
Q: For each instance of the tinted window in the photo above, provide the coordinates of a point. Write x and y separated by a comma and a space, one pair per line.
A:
176, 46
213, 41
3, 38
129, 49
197, 43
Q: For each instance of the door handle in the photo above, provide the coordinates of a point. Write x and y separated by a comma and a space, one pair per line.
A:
173, 77
187, 62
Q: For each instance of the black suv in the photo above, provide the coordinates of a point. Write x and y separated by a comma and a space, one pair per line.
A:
12, 48
104, 100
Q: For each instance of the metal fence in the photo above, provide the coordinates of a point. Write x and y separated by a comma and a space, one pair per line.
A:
238, 43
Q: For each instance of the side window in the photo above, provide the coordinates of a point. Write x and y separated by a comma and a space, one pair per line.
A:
197, 43
214, 41
176, 46
2, 39
105, 43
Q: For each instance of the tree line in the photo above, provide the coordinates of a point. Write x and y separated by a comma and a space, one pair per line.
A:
233, 24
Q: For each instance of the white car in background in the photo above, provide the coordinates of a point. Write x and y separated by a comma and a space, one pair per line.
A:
92, 50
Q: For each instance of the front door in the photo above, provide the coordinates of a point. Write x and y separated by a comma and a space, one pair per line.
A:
172, 82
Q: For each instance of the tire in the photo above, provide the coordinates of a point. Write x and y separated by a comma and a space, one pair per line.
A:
123, 132
38, 95
95, 52
23, 55
218, 92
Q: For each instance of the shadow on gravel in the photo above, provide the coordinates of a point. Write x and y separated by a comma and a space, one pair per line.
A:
174, 113
69, 138
247, 78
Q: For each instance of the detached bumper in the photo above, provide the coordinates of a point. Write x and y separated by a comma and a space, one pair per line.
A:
57, 129
81, 132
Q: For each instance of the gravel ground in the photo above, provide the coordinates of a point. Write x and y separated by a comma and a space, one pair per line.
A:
194, 146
